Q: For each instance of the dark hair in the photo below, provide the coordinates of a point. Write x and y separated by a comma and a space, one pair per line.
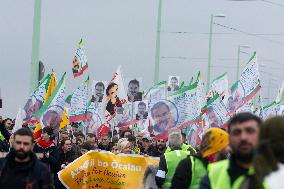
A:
100, 84
24, 131
7, 119
270, 151
142, 103
175, 78
86, 146
123, 133
131, 138
241, 118
157, 105
134, 82
111, 85
63, 141
79, 134
91, 135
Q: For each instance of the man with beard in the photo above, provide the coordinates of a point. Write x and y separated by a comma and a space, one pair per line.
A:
133, 91
163, 118
98, 92
243, 130
21, 169
159, 149
141, 113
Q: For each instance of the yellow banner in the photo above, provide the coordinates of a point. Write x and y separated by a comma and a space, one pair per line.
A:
105, 170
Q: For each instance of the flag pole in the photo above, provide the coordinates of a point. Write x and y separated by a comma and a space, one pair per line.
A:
35, 46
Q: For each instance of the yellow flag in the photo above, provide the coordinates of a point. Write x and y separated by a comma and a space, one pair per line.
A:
37, 132
65, 120
51, 86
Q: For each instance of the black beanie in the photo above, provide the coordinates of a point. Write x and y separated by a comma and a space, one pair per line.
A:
48, 130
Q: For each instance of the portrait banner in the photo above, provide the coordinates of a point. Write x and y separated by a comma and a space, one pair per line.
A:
35, 101
220, 85
50, 115
249, 79
187, 104
134, 86
156, 93
104, 170
79, 61
173, 83
98, 90
215, 113
79, 102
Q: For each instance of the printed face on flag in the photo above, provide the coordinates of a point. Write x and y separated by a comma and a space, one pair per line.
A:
98, 90
213, 118
192, 135
92, 122
235, 101
31, 107
76, 65
164, 116
173, 83
52, 117
124, 114
141, 110
133, 90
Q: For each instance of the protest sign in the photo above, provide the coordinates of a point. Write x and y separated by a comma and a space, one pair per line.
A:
35, 101
79, 101
134, 89
173, 83
79, 61
50, 115
105, 170
186, 101
98, 90
220, 85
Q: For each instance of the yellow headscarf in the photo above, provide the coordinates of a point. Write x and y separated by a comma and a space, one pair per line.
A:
213, 141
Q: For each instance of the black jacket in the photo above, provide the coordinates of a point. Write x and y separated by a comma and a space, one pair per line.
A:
32, 174
52, 161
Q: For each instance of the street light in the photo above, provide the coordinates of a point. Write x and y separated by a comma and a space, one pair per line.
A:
210, 46
238, 65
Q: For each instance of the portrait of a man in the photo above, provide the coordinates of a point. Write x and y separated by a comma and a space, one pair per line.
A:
31, 108
173, 84
133, 91
162, 117
98, 92
212, 117
141, 111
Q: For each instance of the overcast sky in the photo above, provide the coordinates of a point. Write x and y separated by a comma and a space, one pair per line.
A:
123, 32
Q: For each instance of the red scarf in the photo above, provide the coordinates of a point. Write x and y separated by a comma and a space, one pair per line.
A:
45, 144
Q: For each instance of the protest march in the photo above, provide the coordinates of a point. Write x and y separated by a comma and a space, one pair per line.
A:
110, 134
189, 129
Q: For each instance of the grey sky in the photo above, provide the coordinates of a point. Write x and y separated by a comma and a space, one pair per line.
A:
122, 32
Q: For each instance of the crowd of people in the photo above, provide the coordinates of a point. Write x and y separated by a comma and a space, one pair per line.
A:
248, 155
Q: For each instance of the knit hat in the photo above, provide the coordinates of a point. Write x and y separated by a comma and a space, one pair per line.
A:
48, 130
213, 141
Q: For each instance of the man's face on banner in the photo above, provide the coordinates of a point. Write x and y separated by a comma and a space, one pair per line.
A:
99, 91
52, 119
31, 108
133, 89
141, 109
89, 122
76, 64
174, 82
163, 117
